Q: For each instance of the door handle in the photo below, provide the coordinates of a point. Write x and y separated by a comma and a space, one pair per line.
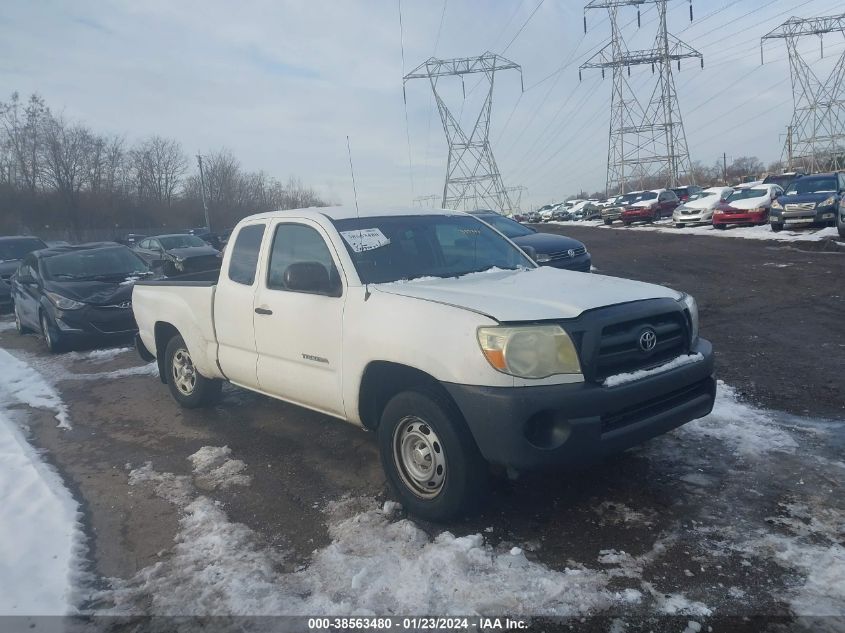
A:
263, 311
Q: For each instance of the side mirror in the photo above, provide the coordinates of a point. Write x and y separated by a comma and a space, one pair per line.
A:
530, 251
309, 277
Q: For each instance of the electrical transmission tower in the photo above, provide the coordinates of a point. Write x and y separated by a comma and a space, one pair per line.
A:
515, 196
472, 176
426, 201
647, 140
817, 133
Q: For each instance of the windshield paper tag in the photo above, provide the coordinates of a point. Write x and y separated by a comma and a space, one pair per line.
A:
365, 239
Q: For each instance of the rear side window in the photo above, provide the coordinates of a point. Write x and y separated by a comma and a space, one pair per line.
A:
244, 259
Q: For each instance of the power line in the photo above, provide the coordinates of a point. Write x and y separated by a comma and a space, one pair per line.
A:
405, 101
524, 24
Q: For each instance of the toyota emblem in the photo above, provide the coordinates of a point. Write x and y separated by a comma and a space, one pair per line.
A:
648, 340
570, 252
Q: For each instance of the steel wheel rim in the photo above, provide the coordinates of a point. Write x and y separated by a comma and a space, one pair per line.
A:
18, 324
184, 373
419, 457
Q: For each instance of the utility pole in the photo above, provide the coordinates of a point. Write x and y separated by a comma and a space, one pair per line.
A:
472, 176
725, 167
789, 147
202, 192
646, 139
817, 134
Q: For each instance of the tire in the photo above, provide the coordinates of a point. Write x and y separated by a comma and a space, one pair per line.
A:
451, 477
608, 222
840, 227
19, 326
679, 225
52, 337
626, 223
777, 227
189, 388
721, 227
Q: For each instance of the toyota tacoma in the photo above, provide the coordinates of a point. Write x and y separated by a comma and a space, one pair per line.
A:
436, 332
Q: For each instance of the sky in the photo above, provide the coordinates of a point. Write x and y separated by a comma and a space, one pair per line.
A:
283, 83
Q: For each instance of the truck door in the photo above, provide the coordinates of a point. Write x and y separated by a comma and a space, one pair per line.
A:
299, 318
233, 307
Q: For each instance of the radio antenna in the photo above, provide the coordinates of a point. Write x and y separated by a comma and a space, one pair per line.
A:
352, 170
357, 210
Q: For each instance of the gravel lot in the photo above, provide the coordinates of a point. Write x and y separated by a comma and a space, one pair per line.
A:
738, 515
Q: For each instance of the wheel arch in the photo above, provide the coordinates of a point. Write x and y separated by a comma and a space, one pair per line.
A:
382, 380
163, 333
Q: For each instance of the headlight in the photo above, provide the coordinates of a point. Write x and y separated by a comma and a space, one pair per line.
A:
63, 303
830, 202
542, 258
532, 351
776, 204
692, 309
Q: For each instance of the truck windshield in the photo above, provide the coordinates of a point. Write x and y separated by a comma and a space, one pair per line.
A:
387, 249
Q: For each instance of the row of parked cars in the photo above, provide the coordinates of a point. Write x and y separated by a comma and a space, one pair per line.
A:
783, 200
68, 293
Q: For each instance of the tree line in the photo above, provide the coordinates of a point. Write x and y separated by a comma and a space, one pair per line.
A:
62, 177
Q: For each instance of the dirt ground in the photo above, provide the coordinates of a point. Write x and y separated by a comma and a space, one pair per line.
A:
775, 316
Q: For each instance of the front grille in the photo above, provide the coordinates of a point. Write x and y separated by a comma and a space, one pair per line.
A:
619, 346
800, 206
575, 252
621, 418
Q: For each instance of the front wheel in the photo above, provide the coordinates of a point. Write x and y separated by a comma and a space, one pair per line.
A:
679, 225
721, 227
188, 387
841, 228
19, 326
429, 456
50, 331
608, 222
777, 227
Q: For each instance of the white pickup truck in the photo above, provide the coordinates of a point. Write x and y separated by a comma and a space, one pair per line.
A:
435, 331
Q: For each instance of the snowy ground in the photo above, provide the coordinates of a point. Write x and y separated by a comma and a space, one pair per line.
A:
759, 493
762, 232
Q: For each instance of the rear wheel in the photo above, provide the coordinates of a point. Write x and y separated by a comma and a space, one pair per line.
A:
778, 226
429, 456
50, 331
188, 387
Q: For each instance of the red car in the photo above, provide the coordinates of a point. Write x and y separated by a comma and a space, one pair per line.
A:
650, 206
746, 205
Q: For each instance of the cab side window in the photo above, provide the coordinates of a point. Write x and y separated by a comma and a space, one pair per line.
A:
299, 252
244, 259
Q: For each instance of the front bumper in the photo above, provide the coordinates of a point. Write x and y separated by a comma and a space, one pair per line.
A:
693, 218
820, 215
577, 424
96, 321
638, 215
755, 217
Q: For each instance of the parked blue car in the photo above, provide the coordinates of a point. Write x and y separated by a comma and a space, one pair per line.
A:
814, 199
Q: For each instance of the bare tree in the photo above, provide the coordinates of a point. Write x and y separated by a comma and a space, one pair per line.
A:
22, 124
158, 164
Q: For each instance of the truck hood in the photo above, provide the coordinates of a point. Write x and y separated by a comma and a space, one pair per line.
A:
528, 295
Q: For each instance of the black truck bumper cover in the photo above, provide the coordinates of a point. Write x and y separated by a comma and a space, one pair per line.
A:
576, 424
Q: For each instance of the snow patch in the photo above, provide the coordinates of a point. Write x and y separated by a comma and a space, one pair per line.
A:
97, 355
748, 431
41, 542
5, 326
615, 513
680, 361
21, 384
677, 603
213, 468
